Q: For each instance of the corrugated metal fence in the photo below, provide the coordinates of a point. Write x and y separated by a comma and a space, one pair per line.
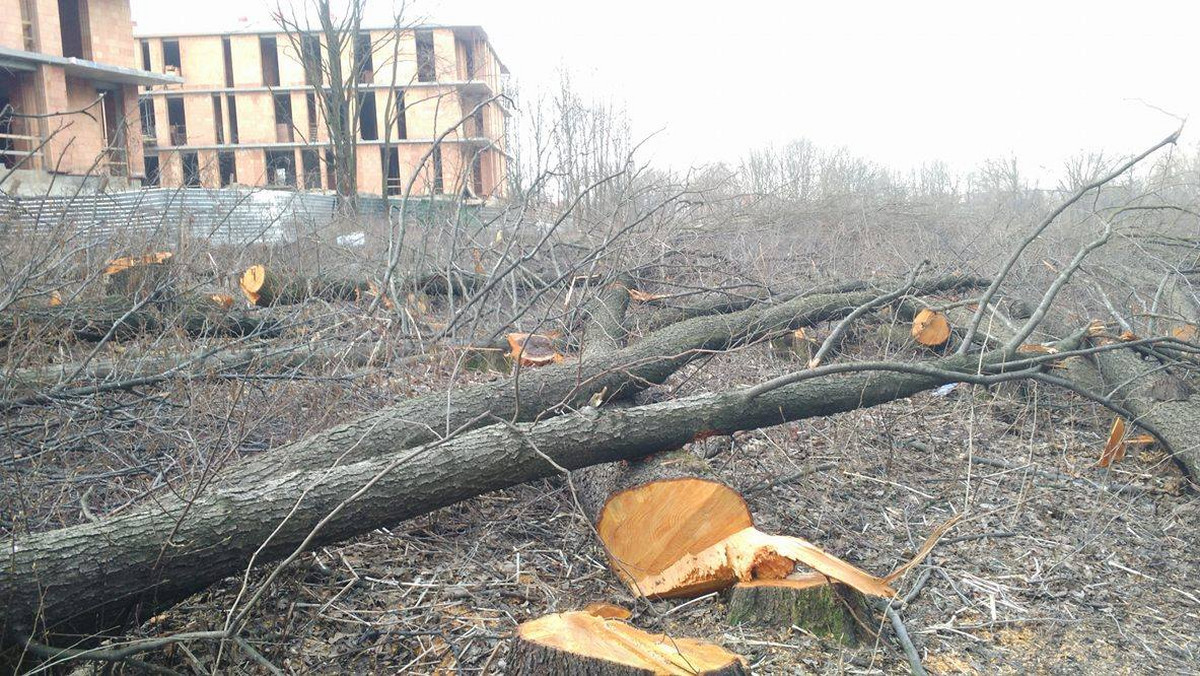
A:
226, 216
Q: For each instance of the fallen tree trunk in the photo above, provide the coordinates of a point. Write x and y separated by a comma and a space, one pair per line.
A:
199, 315
94, 576
1173, 418
64, 381
552, 389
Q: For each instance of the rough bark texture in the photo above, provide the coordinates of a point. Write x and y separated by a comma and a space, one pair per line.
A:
281, 289
198, 316
828, 610
91, 576
1175, 421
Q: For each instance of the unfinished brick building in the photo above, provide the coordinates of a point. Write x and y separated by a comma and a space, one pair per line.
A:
249, 112
68, 92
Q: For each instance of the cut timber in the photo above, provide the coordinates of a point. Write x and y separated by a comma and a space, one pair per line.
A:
138, 277
582, 643
931, 328
687, 537
1114, 448
813, 603
798, 344
264, 287
533, 349
608, 611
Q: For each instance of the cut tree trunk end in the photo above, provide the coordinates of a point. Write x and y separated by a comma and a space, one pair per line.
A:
264, 287
583, 643
139, 277
829, 610
931, 328
687, 537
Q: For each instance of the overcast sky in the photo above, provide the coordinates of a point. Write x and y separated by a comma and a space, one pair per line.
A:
898, 82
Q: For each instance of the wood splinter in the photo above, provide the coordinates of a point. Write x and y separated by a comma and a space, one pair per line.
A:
583, 643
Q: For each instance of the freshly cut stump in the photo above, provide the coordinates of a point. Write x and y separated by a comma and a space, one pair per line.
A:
533, 349
139, 277
584, 644
687, 537
931, 328
812, 603
260, 286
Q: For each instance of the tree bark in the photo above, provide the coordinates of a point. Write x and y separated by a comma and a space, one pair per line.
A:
195, 316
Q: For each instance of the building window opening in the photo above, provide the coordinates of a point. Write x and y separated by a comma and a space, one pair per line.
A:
426, 66
281, 168
231, 104
477, 174
310, 55
218, 121
392, 162
149, 127
191, 169
177, 121
310, 162
283, 118
439, 183
401, 116
368, 122
152, 171
172, 61
227, 168
270, 61
310, 105
145, 55
227, 51
364, 63
73, 24
330, 174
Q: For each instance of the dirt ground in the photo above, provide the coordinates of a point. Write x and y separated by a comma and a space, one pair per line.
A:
1057, 567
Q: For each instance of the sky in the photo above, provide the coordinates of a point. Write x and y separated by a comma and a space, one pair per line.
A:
900, 83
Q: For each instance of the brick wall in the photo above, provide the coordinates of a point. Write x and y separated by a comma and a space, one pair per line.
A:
111, 29
203, 62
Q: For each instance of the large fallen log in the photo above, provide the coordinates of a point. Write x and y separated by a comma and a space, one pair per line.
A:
538, 393
199, 315
95, 576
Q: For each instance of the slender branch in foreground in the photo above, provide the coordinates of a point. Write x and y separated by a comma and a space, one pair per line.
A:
861, 310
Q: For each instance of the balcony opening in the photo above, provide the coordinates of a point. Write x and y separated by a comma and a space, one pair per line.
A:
149, 126
283, 118
145, 54
439, 183
152, 171
227, 168
29, 25
231, 104
392, 162
172, 61
281, 168
270, 61
177, 121
401, 116
218, 120
310, 106
310, 55
473, 124
310, 162
368, 122
330, 174
364, 63
227, 51
73, 25
191, 169
426, 65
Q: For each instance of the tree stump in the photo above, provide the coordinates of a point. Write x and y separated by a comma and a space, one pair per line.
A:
812, 603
